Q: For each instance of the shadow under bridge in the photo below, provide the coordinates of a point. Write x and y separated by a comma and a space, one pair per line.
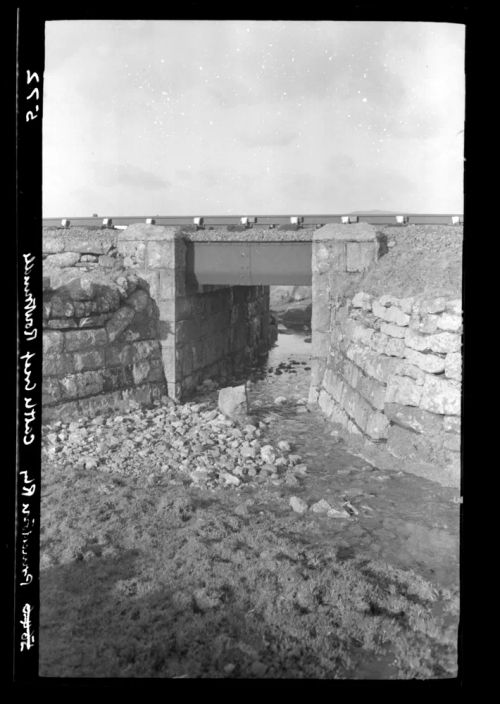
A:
251, 263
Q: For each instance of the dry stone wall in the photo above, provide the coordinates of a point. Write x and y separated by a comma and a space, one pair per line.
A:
387, 368
100, 338
80, 249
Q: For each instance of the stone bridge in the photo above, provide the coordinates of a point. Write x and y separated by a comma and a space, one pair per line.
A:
386, 355
183, 266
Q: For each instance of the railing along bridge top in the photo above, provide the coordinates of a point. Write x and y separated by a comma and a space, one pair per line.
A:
257, 220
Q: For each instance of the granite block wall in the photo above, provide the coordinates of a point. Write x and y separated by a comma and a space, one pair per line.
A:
387, 369
100, 342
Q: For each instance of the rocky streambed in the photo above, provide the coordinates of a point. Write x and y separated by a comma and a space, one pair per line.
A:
178, 543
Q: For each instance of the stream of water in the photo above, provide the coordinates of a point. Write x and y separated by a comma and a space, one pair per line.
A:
406, 520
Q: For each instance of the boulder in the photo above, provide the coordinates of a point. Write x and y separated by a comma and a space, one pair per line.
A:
233, 402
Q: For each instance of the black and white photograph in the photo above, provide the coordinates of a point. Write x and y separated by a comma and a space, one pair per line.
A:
250, 343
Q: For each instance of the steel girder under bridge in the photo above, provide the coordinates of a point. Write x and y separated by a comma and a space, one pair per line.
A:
251, 263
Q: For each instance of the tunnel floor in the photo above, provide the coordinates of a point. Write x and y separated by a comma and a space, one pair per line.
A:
147, 573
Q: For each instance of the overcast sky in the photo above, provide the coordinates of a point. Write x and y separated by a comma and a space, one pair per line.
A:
251, 117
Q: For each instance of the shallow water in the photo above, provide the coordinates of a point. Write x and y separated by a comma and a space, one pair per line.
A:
406, 520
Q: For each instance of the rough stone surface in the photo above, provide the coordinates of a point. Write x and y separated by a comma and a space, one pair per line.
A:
455, 306
451, 424
53, 342
440, 396
413, 418
450, 322
452, 441
403, 390
298, 504
82, 240
453, 366
433, 305
62, 259
86, 364
427, 362
438, 342
406, 444
321, 506
392, 330
391, 314
360, 255
362, 300
377, 426
392, 333
119, 322
407, 369
233, 401
84, 339
424, 323
372, 390
395, 347
379, 367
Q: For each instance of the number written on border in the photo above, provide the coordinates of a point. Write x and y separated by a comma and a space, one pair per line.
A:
30, 115
30, 77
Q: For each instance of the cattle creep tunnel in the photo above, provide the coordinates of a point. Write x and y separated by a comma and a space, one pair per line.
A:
231, 327
212, 289
212, 293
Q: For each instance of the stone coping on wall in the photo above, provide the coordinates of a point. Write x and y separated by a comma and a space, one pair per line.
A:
84, 240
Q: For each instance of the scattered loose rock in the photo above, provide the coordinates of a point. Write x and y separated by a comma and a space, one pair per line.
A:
268, 454
334, 513
321, 506
297, 504
193, 442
